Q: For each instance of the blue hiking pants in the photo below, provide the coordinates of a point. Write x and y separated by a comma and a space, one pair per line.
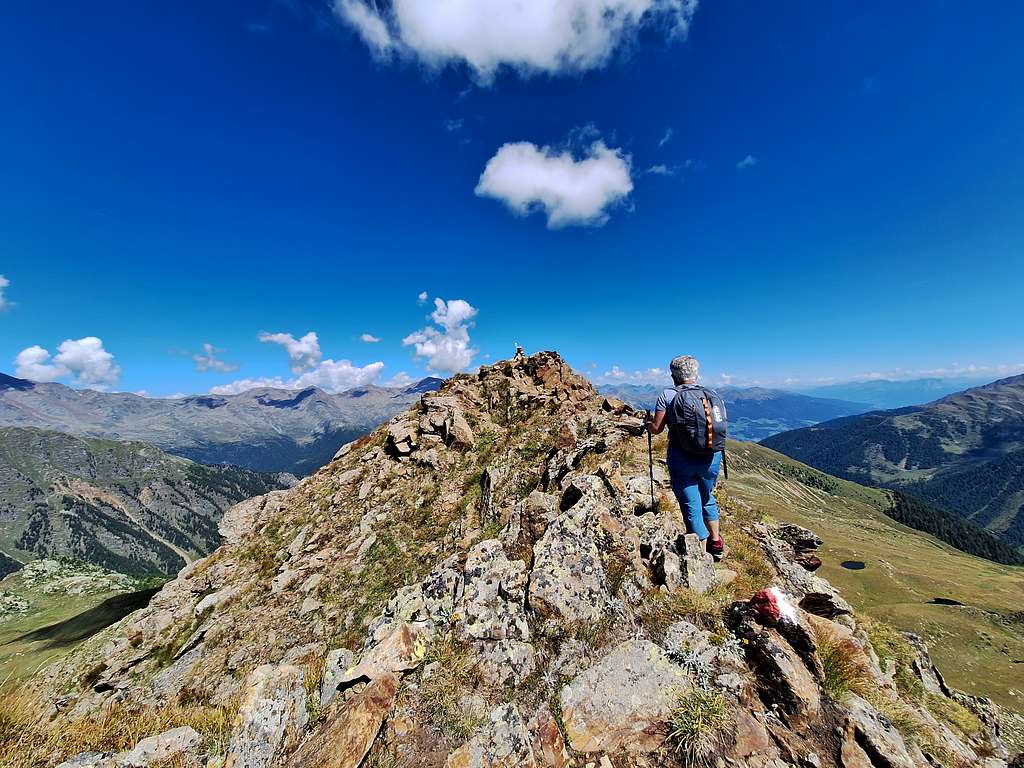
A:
693, 481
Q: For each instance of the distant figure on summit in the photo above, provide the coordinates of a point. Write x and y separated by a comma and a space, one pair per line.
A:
697, 426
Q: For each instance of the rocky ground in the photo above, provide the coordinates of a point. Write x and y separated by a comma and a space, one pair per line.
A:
484, 582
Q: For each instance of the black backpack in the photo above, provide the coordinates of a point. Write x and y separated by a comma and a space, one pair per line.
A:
697, 421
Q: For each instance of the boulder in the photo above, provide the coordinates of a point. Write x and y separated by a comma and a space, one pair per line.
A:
271, 717
548, 743
875, 735
443, 416
697, 566
161, 748
402, 649
345, 738
782, 676
492, 605
505, 742
622, 702
401, 439
567, 583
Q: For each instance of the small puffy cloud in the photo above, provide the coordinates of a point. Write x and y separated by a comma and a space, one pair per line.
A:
569, 190
207, 360
530, 36
747, 162
454, 124
369, 338
616, 375
661, 170
303, 354
422, 298
447, 348
666, 138
84, 361
399, 380
4, 285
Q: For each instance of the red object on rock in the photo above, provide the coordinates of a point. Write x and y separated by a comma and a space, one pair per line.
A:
765, 605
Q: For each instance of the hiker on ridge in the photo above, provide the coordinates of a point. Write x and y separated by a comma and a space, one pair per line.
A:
696, 420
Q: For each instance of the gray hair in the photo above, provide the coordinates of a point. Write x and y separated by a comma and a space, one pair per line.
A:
684, 369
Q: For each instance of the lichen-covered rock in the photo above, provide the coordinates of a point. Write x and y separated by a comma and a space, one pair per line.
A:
271, 718
336, 664
622, 702
504, 743
161, 748
698, 567
492, 605
567, 583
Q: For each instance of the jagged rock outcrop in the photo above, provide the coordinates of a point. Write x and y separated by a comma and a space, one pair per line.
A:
493, 588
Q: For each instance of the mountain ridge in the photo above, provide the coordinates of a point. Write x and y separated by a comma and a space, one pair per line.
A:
482, 582
951, 453
754, 412
125, 506
264, 428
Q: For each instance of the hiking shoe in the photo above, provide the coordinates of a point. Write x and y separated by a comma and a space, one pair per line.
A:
716, 549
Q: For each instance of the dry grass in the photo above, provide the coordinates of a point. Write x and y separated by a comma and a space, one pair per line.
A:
25, 742
705, 610
440, 694
843, 671
698, 724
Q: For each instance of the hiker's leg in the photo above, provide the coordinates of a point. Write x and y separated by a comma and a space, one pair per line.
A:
687, 491
706, 482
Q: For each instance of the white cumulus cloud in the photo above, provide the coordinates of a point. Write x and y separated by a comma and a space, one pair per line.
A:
747, 162
207, 360
666, 138
369, 338
569, 190
84, 361
303, 354
4, 285
447, 348
530, 36
310, 368
422, 298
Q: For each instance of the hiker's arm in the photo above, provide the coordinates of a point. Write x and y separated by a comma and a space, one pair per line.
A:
657, 423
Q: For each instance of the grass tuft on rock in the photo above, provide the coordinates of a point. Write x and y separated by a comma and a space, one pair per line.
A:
843, 672
953, 714
697, 725
448, 676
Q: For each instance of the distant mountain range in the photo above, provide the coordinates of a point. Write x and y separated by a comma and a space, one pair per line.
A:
126, 506
754, 412
886, 393
265, 429
964, 453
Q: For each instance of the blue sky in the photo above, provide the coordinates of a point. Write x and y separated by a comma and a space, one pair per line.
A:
184, 174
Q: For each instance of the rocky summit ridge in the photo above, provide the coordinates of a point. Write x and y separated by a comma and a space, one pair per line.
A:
483, 582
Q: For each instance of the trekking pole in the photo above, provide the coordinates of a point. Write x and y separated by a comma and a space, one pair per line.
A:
650, 459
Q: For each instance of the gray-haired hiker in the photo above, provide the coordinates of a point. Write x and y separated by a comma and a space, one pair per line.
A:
696, 420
